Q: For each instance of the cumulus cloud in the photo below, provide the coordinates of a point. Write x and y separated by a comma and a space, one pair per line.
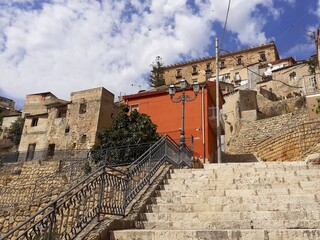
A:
64, 45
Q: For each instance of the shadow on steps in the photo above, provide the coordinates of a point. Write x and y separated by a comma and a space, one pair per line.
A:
238, 158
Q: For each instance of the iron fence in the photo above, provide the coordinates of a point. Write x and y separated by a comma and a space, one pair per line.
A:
120, 155
100, 193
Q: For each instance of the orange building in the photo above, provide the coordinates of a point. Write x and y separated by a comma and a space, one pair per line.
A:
200, 120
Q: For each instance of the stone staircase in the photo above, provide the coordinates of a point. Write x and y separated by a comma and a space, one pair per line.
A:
234, 201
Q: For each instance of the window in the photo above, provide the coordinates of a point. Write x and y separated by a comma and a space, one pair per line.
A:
178, 75
61, 112
239, 61
34, 122
222, 65
134, 107
237, 77
50, 152
30, 152
82, 108
83, 138
194, 70
67, 129
208, 69
293, 76
227, 77
263, 56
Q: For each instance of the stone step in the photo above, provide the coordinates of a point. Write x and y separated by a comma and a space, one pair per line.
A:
243, 234
232, 207
187, 192
248, 173
270, 165
231, 216
195, 224
244, 180
244, 172
219, 187
304, 199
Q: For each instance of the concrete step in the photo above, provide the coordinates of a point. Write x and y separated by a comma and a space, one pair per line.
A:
244, 234
231, 216
232, 207
304, 199
196, 224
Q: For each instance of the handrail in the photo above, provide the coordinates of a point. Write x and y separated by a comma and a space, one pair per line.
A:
99, 193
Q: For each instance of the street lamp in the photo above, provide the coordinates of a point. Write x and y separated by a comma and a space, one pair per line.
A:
183, 98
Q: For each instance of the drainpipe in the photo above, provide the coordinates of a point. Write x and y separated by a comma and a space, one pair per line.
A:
202, 124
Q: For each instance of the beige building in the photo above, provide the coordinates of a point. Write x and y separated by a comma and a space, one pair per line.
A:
232, 66
240, 105
52, 124
287, 81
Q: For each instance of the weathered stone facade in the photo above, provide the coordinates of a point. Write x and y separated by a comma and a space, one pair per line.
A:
288, 81
55, 124
232, 66
239, 105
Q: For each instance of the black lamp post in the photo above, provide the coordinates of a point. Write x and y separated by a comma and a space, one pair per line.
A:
183, 98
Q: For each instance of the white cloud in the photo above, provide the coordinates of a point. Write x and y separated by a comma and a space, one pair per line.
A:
297, 49
68, 45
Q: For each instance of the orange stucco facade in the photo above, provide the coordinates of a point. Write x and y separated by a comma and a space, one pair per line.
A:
168, 117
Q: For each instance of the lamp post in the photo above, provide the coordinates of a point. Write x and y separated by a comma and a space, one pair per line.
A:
183, 98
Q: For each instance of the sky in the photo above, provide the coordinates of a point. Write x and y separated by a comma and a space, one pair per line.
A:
63, 46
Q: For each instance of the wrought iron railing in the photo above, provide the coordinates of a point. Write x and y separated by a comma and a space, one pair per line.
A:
100, 193
120, 155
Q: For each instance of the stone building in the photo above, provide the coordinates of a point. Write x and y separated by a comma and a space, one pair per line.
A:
240, 105
233, 66
53, 124
288, 80
9, 115
6, 106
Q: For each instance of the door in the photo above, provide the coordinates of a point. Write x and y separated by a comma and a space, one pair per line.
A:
51, 148
30, 153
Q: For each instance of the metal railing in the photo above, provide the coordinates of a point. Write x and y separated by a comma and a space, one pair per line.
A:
120, 155
100, 193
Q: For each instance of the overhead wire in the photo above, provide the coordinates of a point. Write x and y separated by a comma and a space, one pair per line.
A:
225, 24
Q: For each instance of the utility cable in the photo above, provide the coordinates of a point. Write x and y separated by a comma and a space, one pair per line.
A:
225, 24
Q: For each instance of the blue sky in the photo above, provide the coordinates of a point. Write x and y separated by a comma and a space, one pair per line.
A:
66, 45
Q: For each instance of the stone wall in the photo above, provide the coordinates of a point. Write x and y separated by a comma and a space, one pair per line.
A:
27, 187
292, 144
269, 108
251, 134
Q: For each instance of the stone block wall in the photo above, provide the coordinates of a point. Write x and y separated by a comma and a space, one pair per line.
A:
251, 134
292, 144
27, 187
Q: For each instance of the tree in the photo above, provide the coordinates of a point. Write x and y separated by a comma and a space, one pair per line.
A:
126, 129
156, 78
313, 65
15, 131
